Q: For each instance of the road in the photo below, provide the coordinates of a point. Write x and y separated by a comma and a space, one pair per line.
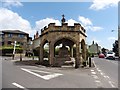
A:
108, 69
27, 76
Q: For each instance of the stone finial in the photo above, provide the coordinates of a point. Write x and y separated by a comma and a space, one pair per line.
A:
36, 35
93, 42
63, 19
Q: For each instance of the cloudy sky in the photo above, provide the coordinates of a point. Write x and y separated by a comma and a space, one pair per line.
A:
99, 17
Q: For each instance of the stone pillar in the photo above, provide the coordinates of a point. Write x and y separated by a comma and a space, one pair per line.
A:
77, 61
71, 51
41, 54
85, 52
51, 50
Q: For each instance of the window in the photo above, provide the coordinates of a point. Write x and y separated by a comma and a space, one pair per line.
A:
10, 35
21, 35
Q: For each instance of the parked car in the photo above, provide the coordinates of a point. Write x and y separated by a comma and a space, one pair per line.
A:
110, 55
101, 55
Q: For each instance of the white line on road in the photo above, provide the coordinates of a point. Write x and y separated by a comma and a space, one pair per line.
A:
93, 72
108, 77
95, 76
45, 77
99, 70
111, 84
39, 71
101, 73
19, 86
97, 81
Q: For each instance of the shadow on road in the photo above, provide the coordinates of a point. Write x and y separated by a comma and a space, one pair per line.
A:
27, 62
116, 59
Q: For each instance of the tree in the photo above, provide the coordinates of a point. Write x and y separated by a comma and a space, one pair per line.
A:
115, 47
104, 51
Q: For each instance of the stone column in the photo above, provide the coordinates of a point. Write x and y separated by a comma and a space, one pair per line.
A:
41, 54
77, 61
85, 47
51, 50
71, 51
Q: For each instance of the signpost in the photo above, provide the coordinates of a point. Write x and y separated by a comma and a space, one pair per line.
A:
14, 49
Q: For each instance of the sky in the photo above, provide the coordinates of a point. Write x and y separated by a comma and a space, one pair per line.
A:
98, 17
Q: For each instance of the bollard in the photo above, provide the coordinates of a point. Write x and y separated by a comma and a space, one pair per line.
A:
13, 56
33, 56
89, 61
20, 57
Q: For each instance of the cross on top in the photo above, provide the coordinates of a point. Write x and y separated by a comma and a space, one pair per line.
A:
63, 19
63, 15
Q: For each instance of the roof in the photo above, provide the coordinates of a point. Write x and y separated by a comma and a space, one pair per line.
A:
14, 31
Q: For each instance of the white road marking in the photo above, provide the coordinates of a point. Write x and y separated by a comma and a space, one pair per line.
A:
111, 84
108, 77
99, 70
38, 71
95, 76
97, 81
105, 76
17, 85
45, 77
93, 72
101, 73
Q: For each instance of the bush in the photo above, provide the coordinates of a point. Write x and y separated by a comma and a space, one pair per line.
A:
9, 50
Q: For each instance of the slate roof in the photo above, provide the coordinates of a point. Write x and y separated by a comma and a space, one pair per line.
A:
14, 31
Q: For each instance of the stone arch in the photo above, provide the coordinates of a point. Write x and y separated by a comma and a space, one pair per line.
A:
66, 37
43, 52
67, 42
43, 42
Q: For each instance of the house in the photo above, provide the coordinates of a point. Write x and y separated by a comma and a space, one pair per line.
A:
94, 48
10, 36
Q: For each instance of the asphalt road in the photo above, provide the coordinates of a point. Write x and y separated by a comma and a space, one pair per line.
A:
27, 77
108, 69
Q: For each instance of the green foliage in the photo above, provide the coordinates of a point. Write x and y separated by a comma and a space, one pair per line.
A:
9, 50
115, 47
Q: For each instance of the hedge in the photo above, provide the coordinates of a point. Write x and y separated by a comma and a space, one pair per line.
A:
9, 50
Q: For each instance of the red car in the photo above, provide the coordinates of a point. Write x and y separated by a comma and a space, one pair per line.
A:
101, 55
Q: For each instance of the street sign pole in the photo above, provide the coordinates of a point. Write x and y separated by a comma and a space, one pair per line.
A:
14, 50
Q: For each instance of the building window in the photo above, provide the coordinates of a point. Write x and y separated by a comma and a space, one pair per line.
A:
9, 35
21, 35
